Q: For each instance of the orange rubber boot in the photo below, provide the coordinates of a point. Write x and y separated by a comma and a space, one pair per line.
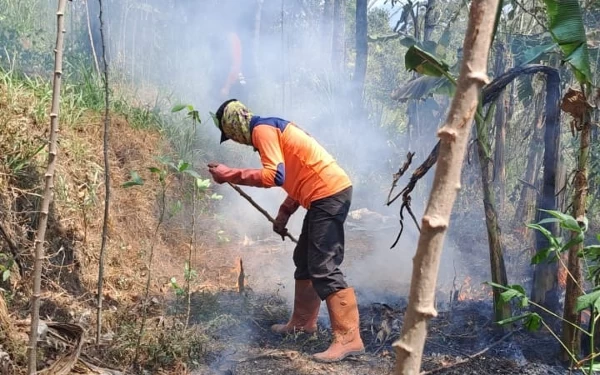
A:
306, 310
343, 313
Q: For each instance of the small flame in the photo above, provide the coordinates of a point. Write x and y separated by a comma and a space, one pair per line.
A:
469, 292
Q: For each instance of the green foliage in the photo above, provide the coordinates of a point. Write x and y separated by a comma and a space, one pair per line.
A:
558, 245
422, 62
587, 301
567, 29
6, 263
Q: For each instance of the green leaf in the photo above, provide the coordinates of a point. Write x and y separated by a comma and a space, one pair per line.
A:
533, 54
422, 87
424, 63
215, 120
216, 197
548, 220
135, 180
514, 291
182, 166
533, 322
579, 237
178, 108
5, 275
566, 221
192, 173
592, 250
408, 41
154, 170
553, 241
588, 301
567, 29
202, 184
513, 319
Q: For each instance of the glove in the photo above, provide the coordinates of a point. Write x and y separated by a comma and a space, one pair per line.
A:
222, 173
287, 208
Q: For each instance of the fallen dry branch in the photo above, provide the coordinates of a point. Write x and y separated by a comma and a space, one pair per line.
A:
271, 354
469, 358
62, 336
259, 208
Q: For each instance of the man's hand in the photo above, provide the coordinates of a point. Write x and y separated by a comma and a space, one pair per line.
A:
279, 225
287, 209
219, 172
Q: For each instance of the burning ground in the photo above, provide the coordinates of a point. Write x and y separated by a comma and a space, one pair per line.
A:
462, 338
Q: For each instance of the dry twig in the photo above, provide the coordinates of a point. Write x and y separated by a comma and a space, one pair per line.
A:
259, 208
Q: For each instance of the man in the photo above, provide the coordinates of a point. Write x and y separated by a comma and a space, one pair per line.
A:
227, 75
293, 160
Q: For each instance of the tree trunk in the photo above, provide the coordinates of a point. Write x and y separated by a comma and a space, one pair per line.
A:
256, 38
571, 336
48, 188
544, 290
338, 56
525, 211
453, 141
498, 269
106, 136
430, 20
362, 48
327, 30
499, 174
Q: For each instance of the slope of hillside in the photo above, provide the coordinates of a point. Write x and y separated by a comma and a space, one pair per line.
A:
73, 236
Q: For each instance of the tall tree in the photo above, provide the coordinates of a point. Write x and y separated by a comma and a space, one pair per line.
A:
326, 30
430, 19
565, 21
362, 46
338, 53
453, 141
500, 125
48, 194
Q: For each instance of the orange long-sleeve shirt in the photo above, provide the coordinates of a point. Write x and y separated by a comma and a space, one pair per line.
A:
294, 160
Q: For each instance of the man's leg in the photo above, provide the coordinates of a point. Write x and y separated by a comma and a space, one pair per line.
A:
306, 300
325, 255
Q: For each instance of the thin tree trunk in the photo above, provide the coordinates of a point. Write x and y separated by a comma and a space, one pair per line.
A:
430, 20
544, 289
499, 174
338, 56
571, 337
48, 188
256, 39
362, 47
525, 213
106, 182
326, 31
453, 137
89, 26
498, 269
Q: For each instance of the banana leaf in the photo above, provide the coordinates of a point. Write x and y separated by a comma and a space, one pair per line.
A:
422, 62
567, 29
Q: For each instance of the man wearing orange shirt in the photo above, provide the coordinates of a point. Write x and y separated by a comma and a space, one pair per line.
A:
293, 160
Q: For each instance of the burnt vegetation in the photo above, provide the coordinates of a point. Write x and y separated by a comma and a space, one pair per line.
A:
177, 275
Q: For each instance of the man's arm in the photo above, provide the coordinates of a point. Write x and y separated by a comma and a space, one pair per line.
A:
267, 140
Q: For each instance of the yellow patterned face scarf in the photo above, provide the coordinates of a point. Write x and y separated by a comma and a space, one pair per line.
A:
235, 123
